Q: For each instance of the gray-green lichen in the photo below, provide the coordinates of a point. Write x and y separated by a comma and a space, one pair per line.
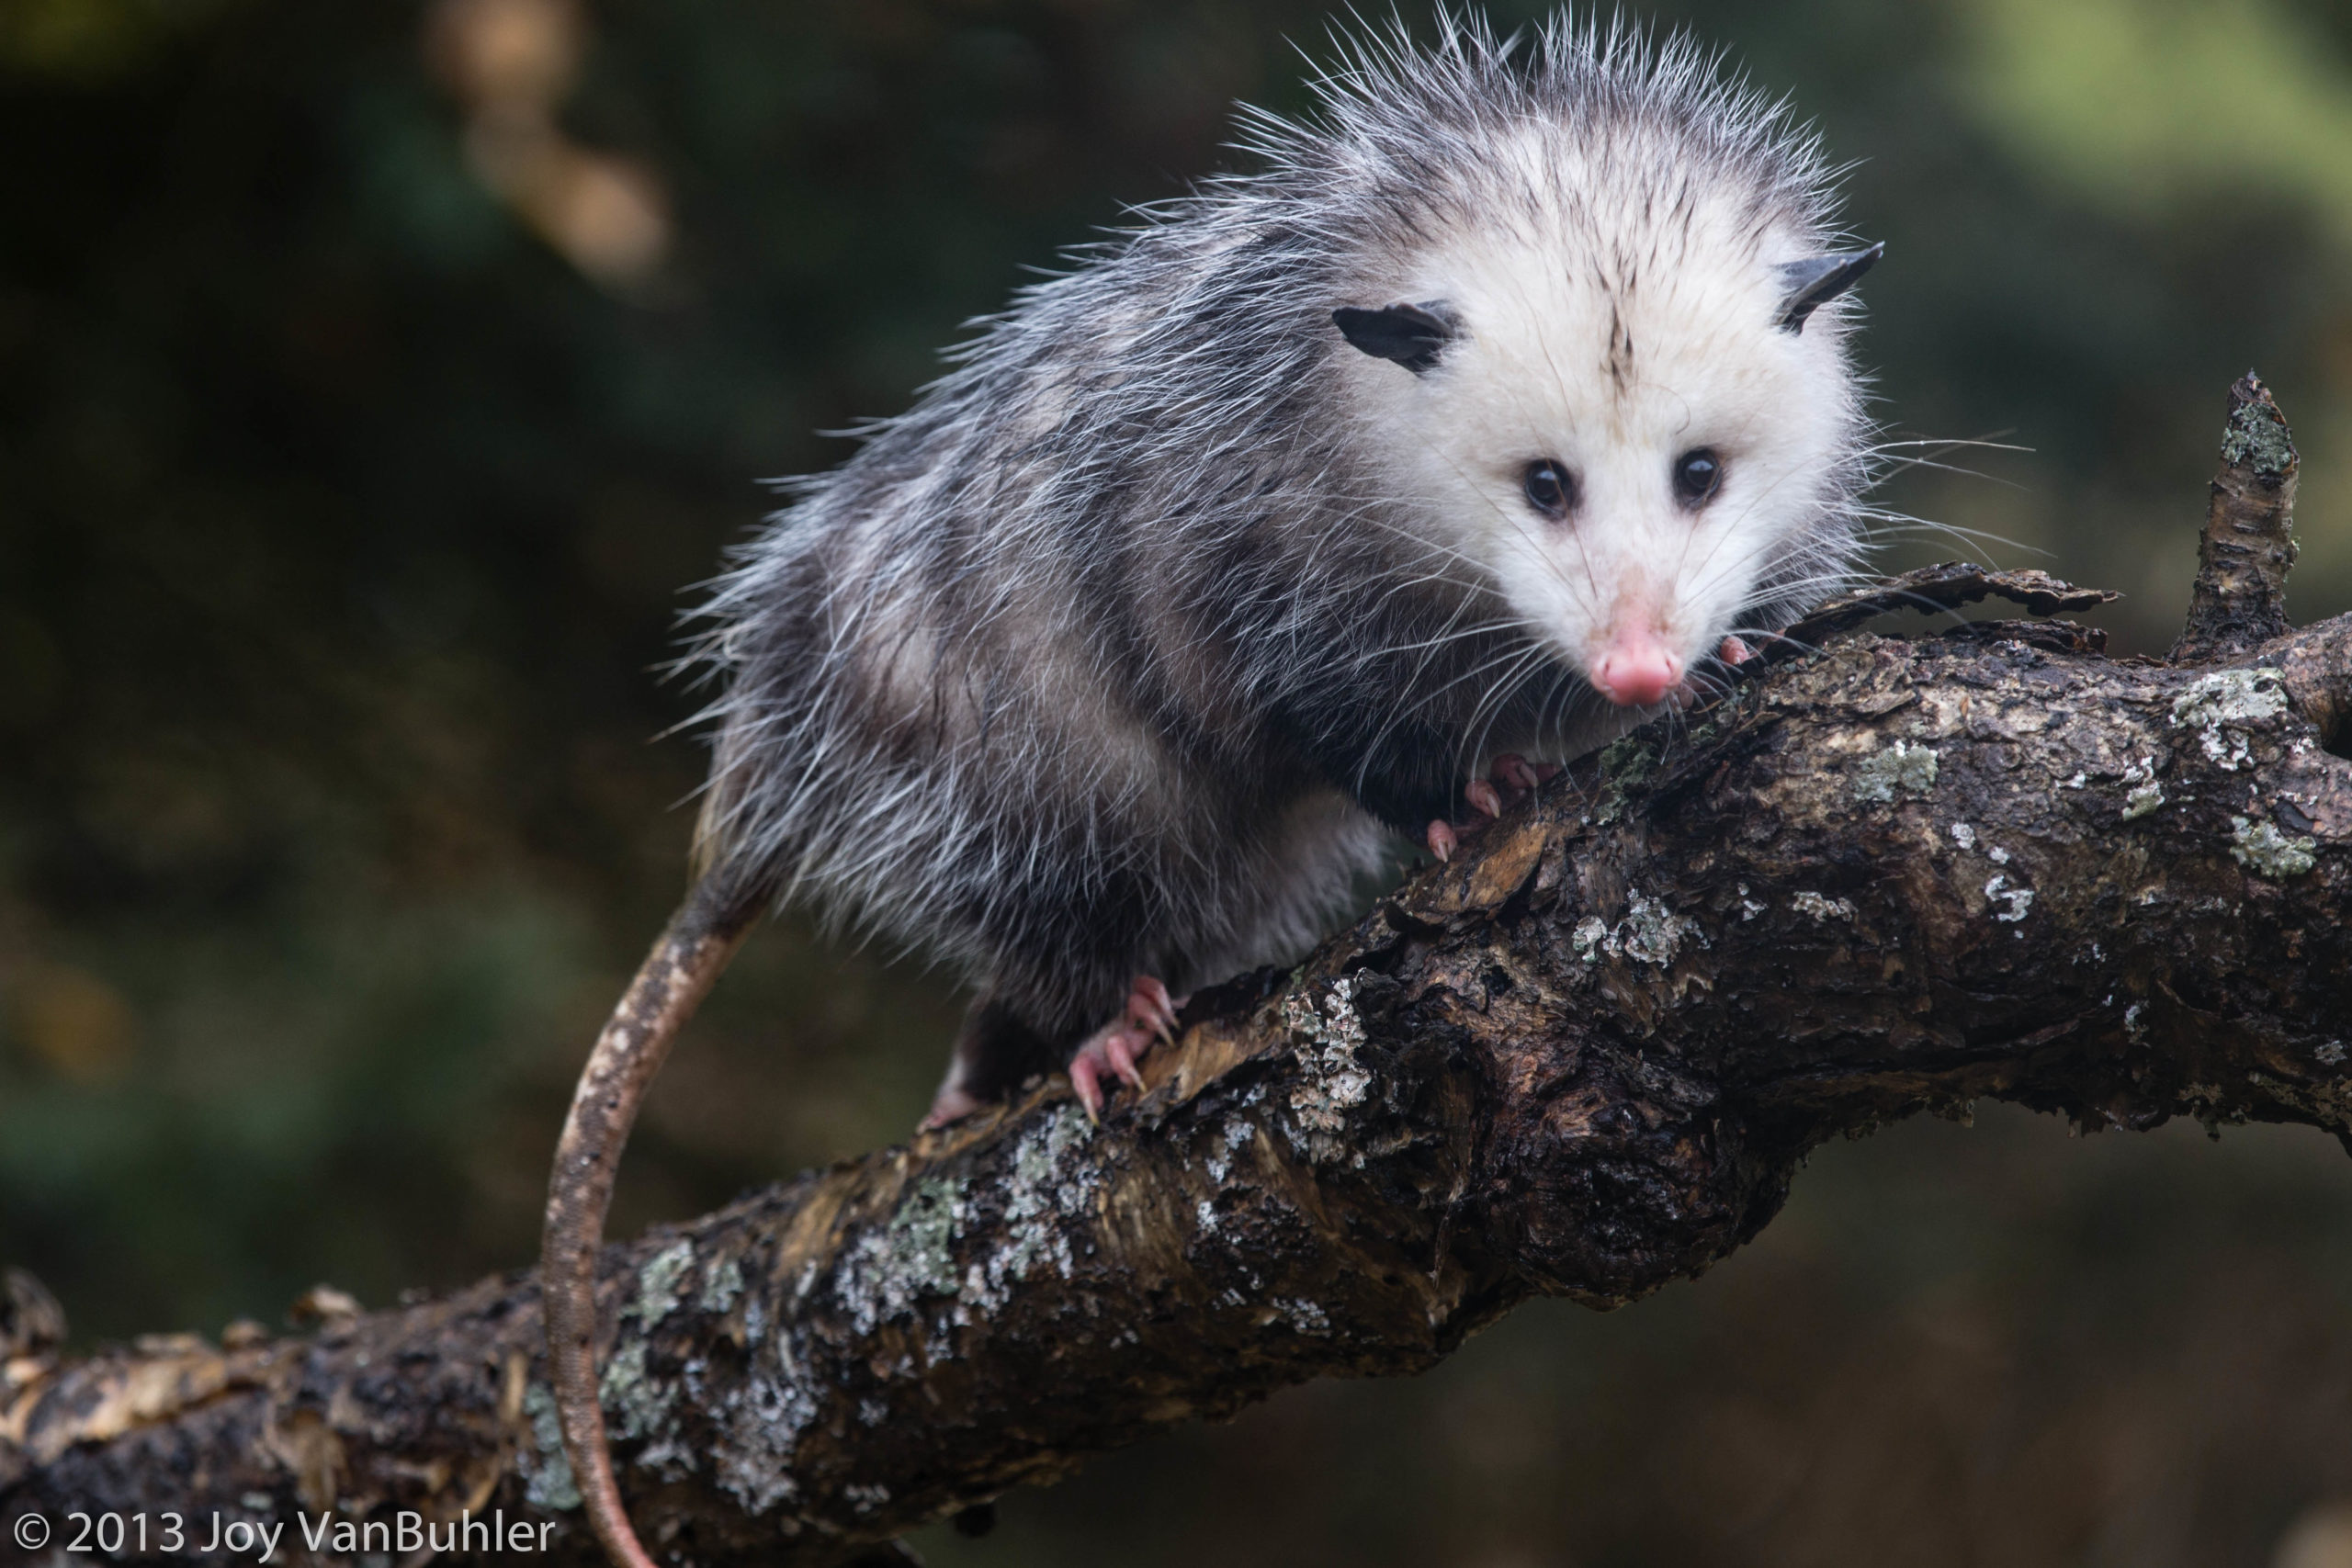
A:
1902, 767
1623, 765
2010, 904
2256, 437
657, 1284
1333, 1081
722, 1285
1306, 1316
2225, 707
1237, 1131
547, 1472
2145, 794
1587, 940
923, 1235
1051, 1177
767, 1417
2262, 848
1823, 909
638, 1404
888, 1270
1649, 933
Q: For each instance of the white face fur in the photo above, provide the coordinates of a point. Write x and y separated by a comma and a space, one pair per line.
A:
1626, 369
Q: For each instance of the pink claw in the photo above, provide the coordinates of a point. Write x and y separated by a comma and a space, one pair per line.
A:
1123, 1059
1089, 1087
1442, 843
1512, 769
1734, 652
1150, 1007
1482, 797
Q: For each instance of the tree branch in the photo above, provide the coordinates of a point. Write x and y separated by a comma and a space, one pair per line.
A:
2248, 545
1583, 1059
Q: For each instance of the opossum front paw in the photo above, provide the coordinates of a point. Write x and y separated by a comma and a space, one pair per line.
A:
1513, 779
1114, 1049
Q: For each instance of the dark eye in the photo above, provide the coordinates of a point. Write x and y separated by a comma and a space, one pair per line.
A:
1698, 474
1550, 487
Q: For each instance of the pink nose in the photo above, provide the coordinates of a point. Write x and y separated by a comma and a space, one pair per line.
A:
1636, 672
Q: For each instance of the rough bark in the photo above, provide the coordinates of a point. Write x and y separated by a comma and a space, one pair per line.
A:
1584, 1058
2248, 545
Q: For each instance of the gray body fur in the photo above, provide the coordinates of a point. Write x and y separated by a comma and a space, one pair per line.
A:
1117, 653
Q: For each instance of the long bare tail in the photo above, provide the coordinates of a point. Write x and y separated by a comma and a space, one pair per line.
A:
702, 936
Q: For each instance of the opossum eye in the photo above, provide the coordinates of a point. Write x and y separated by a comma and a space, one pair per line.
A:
1549, 488
1698, 474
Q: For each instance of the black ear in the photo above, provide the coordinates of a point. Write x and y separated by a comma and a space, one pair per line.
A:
1816, 280
1412, 335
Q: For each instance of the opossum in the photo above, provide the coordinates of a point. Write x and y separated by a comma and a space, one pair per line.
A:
1339, 499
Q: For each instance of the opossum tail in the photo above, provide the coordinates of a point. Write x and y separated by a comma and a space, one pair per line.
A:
684, 964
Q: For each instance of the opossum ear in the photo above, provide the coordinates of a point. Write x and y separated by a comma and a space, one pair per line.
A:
1816, 280
1412, 335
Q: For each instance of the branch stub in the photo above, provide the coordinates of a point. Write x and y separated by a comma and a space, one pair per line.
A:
2248, 546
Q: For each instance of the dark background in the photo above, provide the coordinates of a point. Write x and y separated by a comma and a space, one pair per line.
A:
374, 381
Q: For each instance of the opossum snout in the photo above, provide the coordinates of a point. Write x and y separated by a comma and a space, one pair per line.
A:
1636, 671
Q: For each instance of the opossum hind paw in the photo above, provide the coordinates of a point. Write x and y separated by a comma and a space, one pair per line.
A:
952, 1103
1114, 1050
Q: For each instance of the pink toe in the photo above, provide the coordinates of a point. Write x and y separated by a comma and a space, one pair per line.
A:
1442, 843
1149, 1007
1483, 799
1123, 1059
1735, 651
1089, 1087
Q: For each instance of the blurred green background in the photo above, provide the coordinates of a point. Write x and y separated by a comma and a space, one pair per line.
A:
375, 380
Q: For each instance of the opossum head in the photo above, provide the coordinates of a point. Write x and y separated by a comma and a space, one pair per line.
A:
1636, 435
